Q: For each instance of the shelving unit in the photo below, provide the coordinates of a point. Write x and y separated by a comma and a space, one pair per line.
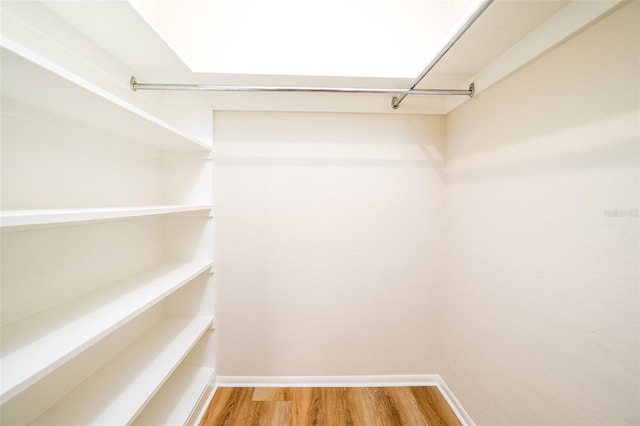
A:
113, 207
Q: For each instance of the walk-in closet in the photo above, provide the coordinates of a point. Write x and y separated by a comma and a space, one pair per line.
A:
282, 201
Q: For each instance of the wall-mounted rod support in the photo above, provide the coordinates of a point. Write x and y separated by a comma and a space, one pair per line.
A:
215, 88
481, 7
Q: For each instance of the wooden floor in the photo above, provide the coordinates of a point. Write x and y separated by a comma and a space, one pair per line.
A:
386, 406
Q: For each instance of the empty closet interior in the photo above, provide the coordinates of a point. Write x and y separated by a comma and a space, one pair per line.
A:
158, 244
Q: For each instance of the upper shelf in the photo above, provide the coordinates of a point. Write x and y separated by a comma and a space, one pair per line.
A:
18, 219
34, 80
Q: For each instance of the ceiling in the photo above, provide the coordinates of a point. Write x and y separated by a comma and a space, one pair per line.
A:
337, 38
349, 43
333, 38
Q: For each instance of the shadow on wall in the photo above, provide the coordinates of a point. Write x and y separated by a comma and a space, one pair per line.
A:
540, 316
323, 162
571, 150
328, 140
590, 78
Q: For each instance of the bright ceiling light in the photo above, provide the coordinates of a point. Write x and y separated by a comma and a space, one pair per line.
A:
346, 38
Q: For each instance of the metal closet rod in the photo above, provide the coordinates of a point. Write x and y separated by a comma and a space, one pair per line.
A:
215, 88
395, 102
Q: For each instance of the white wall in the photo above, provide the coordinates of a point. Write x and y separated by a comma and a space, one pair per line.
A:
327, 243
541, 294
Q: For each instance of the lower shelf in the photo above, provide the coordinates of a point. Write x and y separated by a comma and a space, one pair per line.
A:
119, 391
35, 346
174, 403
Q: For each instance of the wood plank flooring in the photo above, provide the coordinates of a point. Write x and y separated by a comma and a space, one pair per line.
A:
386, 406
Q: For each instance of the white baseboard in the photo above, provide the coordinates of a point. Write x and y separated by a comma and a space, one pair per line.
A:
328, 381
453, 402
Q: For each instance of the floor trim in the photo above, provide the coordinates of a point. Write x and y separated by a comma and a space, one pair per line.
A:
453, 402
351, 381
328, 381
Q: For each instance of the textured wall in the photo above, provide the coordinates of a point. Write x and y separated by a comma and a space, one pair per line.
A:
541, 294
327, 243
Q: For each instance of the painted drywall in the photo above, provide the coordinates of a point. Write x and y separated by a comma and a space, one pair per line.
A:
327, 243
540, 303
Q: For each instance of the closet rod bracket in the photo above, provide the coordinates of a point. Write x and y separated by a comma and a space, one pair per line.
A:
477, 12
395, 101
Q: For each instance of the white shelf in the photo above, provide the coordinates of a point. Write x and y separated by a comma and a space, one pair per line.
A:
175, 402
119, 391
36, 345
16, 219
31, 79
